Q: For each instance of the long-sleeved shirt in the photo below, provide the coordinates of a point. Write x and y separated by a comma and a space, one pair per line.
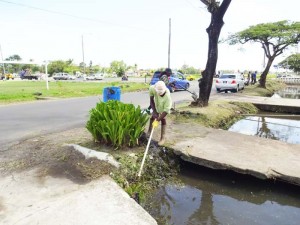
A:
162, 103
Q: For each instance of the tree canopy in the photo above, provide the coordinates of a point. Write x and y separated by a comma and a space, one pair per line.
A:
57, 66
13, 68
119, 67
186, 69
273, 37
291, 62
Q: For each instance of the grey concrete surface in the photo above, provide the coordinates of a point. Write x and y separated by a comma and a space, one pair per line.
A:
220, 149
90, 153
272, 104
27, 198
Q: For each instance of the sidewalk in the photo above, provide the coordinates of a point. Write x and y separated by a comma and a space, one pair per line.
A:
26, 198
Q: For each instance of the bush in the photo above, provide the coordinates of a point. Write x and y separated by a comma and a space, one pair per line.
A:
116, 123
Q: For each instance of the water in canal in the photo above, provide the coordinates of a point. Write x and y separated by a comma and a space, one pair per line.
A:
271, 125
217, 197
284, 128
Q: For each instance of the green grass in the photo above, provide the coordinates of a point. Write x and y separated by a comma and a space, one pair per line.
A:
218, 113
271, 87
20, 91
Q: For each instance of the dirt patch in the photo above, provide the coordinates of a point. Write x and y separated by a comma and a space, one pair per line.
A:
53, 158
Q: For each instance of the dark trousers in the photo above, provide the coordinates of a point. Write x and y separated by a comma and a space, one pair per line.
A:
163, 121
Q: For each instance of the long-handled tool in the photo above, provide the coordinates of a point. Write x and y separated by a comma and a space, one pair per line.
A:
194, 95
154, 125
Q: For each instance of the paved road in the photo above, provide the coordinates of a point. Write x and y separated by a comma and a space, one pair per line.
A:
21, 121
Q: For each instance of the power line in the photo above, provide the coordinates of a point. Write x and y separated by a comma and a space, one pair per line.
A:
74, 16
194, 7
189, 3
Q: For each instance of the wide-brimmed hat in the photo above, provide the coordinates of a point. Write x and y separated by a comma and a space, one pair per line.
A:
160, 87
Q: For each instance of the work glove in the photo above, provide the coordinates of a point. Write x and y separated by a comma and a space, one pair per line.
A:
155, 124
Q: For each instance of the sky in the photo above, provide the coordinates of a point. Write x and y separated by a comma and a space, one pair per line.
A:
135, 31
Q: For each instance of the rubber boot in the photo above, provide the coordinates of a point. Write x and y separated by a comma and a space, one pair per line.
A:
149, 129
163, 135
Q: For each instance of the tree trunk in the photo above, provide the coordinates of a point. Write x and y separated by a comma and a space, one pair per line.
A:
263, 76
208, 74
214, 30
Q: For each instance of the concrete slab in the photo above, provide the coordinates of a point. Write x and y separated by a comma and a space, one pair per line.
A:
27, 198
258, 99
219, 149
283, 105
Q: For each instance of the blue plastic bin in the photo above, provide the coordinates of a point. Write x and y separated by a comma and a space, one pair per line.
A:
111, 93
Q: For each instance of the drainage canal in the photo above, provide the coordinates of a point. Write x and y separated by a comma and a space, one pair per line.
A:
216, 197
205, 196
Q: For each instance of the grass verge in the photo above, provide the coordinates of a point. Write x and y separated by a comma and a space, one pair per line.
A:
21, 91
218, 114
271, 87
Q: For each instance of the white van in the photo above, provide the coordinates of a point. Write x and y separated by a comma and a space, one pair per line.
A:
96, 76
62, 76
99, 76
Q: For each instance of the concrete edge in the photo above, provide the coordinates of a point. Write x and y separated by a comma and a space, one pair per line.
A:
90, 153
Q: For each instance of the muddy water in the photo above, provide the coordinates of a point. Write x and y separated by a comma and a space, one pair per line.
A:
214, 197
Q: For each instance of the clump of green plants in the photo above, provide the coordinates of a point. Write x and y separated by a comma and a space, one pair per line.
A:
161, 166
117, 124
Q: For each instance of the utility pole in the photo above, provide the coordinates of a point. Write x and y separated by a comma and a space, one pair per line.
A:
169, 51
46, 72
83, 54
2, 60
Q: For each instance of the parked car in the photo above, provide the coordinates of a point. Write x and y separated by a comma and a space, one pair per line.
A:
99, 76
230, 82
96, 76
89, 77
71, 77
63, 76
177, 78
191, 77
